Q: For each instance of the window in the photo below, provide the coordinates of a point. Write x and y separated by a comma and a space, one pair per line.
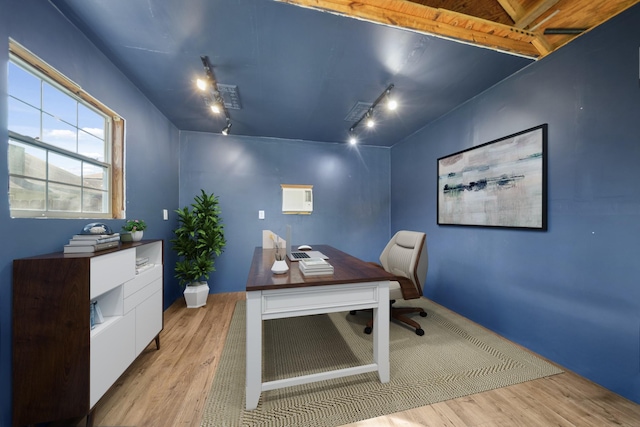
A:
65, 148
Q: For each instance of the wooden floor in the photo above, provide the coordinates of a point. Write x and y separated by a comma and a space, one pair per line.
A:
169, 387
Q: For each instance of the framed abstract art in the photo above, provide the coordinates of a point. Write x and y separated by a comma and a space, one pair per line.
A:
501, 183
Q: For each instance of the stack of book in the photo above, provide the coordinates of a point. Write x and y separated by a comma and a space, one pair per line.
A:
87, 243
315, 267
142, 264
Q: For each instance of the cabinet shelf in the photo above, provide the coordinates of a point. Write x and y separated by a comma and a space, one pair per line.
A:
108, 321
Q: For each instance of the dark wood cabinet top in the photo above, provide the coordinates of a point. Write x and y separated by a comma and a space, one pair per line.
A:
122, 246
347, 269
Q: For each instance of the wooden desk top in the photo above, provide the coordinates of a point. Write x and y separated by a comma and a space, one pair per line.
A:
346, 269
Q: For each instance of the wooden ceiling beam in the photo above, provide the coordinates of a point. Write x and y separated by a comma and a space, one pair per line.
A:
435, 21
513, 9
534, 13
543, 46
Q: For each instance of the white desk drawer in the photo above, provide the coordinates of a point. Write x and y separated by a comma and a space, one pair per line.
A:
319, 299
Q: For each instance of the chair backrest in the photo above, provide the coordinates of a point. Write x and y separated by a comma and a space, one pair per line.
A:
406, 256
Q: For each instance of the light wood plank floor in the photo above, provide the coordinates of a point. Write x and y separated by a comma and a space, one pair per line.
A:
169, 387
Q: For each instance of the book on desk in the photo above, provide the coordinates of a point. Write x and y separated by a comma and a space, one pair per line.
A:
315, 267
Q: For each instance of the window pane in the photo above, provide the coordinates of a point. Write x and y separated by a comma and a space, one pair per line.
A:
58, 133
90, 146
59, 104
64, 198
23, 85
27, 160
26, 194
24, 119
64, 169
93, 201
94, 176
48, 120
90, 121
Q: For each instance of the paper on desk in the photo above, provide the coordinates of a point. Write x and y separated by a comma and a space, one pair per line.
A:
270, 239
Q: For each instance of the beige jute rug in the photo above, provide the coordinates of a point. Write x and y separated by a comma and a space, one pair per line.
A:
454, 358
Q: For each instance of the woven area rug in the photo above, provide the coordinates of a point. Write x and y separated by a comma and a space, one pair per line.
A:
454, 358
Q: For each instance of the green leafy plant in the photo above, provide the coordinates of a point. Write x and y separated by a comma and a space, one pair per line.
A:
198, 239
134, 225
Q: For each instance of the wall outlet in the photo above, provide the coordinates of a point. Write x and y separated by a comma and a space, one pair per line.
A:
165, 214
260, 214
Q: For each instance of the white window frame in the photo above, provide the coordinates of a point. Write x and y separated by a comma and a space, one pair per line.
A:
113, 140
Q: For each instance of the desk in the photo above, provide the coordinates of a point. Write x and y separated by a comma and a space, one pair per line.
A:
355, 285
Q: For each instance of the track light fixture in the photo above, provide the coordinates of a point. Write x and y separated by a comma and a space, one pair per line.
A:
368, 117
227, 128
211, 94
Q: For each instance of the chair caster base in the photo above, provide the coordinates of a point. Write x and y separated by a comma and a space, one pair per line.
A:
423, 314
368, 330
419, 332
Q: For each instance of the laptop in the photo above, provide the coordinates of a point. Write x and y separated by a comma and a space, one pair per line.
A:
298, 255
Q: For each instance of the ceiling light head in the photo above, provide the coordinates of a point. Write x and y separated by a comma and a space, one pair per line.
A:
369, 121
353, 140
202, 84
226, 129
392, 104
215, 107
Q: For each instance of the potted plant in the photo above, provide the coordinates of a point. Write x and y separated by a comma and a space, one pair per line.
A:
135, 227
198, 239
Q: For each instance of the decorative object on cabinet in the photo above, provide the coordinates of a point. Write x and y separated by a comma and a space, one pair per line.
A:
498, 184
136, 228
96, 228
198, 240
64, 359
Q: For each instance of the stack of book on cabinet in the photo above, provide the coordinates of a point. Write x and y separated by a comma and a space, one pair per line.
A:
87, 243
315, 267
142, 264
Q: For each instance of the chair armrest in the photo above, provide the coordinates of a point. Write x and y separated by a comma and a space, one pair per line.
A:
407, 287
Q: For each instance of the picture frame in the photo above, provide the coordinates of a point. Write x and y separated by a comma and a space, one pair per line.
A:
502, 183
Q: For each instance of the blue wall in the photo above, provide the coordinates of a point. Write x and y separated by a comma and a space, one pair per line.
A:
571, 293
350, 195
152, 145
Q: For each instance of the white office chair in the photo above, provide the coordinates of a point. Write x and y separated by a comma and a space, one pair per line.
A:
405, 256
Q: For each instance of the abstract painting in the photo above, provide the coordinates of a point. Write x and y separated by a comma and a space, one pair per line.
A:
498, 184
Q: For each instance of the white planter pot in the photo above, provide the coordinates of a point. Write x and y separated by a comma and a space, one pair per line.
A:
196, 295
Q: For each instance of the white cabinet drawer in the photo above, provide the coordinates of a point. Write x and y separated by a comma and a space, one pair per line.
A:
111, 270
143, 279
142, 295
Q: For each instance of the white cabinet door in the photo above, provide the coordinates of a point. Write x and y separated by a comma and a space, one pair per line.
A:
112, 351
148, 321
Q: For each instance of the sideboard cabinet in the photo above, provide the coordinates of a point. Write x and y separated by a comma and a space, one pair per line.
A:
64, 361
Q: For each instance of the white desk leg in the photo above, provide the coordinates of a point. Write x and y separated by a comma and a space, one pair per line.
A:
254, 349
381, 333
